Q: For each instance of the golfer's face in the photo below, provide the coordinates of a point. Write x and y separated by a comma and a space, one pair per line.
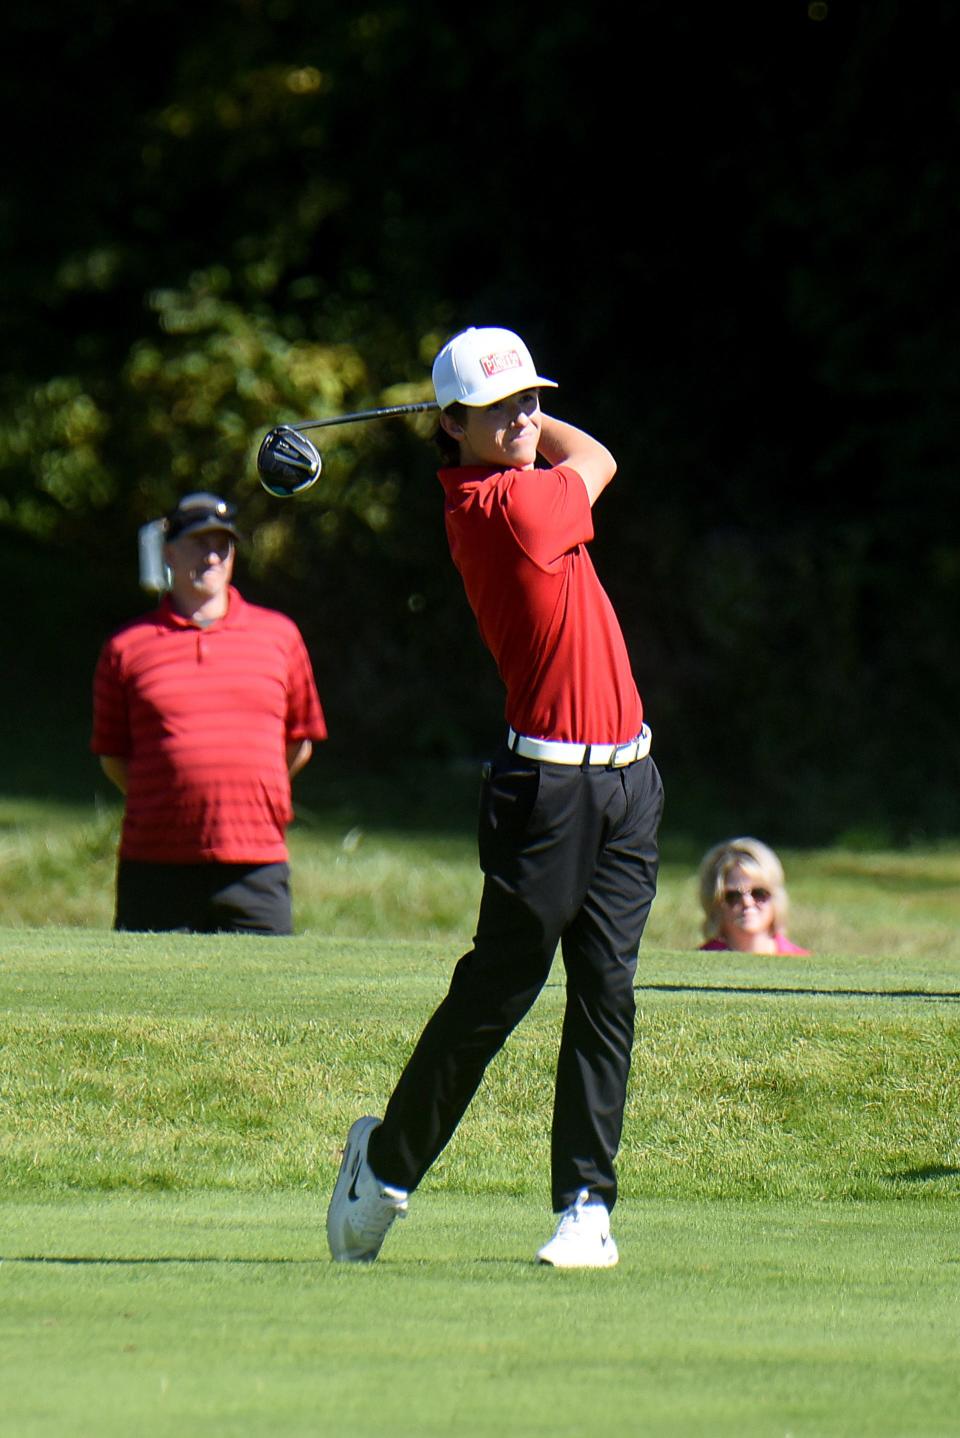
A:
201, 564
505, 434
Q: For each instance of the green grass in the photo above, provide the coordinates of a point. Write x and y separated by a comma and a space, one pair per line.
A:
359, 874
223, 1315
171, 1111
172, 1062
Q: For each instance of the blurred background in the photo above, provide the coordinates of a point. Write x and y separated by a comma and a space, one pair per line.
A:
728, 231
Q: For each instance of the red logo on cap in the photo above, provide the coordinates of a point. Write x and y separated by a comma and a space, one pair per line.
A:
497, 363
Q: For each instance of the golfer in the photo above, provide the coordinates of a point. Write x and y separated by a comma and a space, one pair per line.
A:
570, 810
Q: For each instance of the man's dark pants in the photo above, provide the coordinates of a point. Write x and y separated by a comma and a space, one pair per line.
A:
569, 856
203, 898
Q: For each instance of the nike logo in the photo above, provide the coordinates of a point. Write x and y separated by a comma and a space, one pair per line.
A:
352, 1195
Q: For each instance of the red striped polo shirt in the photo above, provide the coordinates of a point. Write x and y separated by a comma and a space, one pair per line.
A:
203, 718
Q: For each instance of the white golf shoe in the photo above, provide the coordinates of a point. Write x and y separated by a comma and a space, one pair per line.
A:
583, 1238
362, 1208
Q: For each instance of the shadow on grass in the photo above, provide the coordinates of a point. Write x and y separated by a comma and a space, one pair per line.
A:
52, 1260
950, 995
928, 1174
76, 1260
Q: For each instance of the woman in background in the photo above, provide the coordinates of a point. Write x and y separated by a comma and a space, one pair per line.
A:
744, 899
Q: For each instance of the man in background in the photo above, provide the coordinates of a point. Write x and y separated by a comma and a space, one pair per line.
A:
203, 711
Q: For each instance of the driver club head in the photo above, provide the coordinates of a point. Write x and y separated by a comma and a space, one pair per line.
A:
288, 463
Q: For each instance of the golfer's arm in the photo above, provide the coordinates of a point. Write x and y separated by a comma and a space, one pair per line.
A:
115, 770
562, 443
298, 754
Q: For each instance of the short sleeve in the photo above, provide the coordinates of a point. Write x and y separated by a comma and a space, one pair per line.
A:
305, 718
111, 720
548, 511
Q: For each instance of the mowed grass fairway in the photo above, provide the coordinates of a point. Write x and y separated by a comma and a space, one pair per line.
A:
172, 1114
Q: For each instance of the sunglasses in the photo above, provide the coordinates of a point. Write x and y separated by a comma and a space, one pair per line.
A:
733, 897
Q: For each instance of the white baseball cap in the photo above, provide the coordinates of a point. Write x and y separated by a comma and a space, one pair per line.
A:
478, 367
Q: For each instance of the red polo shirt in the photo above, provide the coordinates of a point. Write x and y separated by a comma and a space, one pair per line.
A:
519, 540
203, 717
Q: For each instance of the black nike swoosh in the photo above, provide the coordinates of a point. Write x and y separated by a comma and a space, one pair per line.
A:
352, 1195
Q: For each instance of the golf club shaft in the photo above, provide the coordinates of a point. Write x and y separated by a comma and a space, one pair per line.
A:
366, 414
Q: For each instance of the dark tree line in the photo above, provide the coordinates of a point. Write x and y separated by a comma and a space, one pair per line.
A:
730, 234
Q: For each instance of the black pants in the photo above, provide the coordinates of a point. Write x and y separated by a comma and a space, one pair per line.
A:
203, 898
569, 856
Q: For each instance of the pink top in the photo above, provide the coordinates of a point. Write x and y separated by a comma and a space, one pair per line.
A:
783, 946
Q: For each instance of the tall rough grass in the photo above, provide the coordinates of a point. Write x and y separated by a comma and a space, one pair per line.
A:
57, 867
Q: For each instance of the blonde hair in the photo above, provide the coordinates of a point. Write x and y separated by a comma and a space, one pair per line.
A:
759, 862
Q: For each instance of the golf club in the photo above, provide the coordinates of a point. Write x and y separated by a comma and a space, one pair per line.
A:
288, 462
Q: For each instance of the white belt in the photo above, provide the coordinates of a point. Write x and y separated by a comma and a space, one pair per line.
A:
557, 751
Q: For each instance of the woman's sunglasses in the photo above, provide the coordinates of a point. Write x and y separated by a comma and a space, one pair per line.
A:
733, 897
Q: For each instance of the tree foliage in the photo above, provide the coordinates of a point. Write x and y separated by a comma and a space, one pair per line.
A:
729, 233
